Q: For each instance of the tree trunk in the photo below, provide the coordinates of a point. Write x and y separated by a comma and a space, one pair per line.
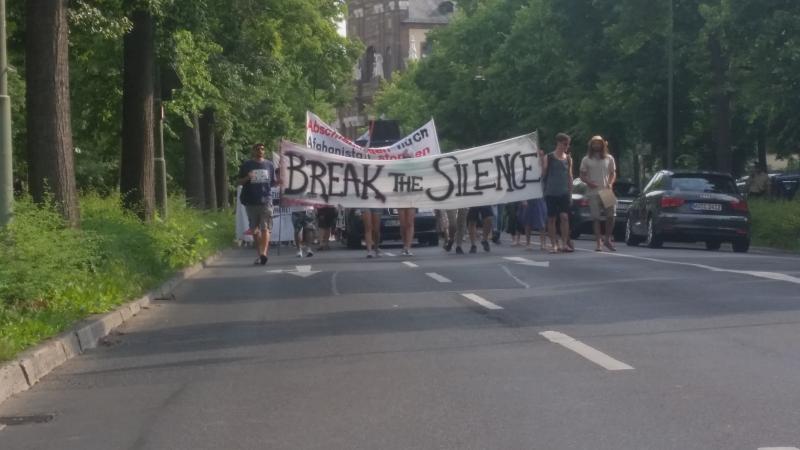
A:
207, 143
193, 165
221, 173
137, 181
51, 166
762, 146
722, 106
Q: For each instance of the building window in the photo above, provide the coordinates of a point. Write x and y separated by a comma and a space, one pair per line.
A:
369, 64
425, 48
387, 63
446, 7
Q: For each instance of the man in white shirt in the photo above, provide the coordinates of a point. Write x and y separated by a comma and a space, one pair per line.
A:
599, 172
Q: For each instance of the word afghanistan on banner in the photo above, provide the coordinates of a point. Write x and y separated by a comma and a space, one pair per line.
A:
501, 172
324, 138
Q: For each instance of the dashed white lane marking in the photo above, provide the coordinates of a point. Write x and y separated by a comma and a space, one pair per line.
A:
481, 301
334, 285
410, 264
388, 254
1, 427
520, 282
590, 353
754, 273
438, 277
527, 262
778, 448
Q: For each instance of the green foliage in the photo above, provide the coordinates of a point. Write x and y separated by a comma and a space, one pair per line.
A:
51, 276
505, 67
776, 223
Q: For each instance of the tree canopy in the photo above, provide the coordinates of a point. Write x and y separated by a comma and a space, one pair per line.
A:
505, 67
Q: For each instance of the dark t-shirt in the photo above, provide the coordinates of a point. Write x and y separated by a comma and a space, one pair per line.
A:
257, 191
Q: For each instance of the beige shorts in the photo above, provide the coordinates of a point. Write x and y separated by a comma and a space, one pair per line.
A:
597, 210
259, 217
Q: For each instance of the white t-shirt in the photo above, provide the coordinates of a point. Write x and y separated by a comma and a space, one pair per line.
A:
599, 171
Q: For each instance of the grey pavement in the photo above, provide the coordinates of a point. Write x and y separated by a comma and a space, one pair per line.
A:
352, 353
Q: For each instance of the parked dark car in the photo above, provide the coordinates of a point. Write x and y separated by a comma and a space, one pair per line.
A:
581, 217
425, 230
689, 207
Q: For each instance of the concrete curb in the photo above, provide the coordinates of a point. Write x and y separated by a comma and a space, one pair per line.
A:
29, 367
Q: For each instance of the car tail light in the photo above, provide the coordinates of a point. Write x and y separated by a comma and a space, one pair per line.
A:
583, 203
739, 205
672, 202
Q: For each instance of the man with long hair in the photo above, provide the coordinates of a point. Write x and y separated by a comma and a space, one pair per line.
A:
599, 172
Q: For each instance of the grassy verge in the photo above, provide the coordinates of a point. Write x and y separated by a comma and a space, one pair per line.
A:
52, 276
776, 224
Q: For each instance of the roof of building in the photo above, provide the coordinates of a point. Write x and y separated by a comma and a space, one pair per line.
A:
428, 12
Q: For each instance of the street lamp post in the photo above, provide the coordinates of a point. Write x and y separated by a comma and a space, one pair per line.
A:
670, 87
6, 173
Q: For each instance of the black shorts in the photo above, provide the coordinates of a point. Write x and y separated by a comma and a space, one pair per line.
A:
478, 213
326, 217
557, 204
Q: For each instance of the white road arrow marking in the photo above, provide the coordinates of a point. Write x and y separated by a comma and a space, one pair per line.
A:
527, 262
304, 271
592, 354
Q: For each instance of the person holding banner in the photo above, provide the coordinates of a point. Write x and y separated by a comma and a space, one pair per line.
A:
599, 172
257, 176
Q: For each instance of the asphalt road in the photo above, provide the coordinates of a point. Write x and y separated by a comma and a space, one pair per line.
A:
677, 348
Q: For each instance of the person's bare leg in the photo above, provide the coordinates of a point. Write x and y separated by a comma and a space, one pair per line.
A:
376, 231
367, 219
551, 231
409, 228
265, 242
564, 231
597, 234
487, 228
609, 228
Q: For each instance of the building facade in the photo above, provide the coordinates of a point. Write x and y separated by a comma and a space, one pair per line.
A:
393, 33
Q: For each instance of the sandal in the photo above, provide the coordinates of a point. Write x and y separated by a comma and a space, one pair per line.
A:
610, 246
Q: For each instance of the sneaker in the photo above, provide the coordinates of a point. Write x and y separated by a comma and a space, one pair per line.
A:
496, 238
473, 249
404, 252
448, 246
485, 245
299, 253
377, 253
309, 253
409, 253
257, 262
263, 259
369, 255
459, 250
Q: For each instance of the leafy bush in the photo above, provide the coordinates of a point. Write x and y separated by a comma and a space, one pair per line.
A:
776, 224
52, 276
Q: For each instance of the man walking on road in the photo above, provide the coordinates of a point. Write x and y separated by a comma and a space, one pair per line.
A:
257, 176
599, 172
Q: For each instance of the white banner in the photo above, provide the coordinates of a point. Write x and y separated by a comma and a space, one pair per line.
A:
501, 172
324, 138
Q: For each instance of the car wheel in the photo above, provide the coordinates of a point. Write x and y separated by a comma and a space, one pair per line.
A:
741, 245
713, 245
630, 239
653, 239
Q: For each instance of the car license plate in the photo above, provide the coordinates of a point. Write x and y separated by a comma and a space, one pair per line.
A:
707, 207
393, 223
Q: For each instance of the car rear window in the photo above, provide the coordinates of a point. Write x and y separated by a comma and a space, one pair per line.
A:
625, 190
718, 184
